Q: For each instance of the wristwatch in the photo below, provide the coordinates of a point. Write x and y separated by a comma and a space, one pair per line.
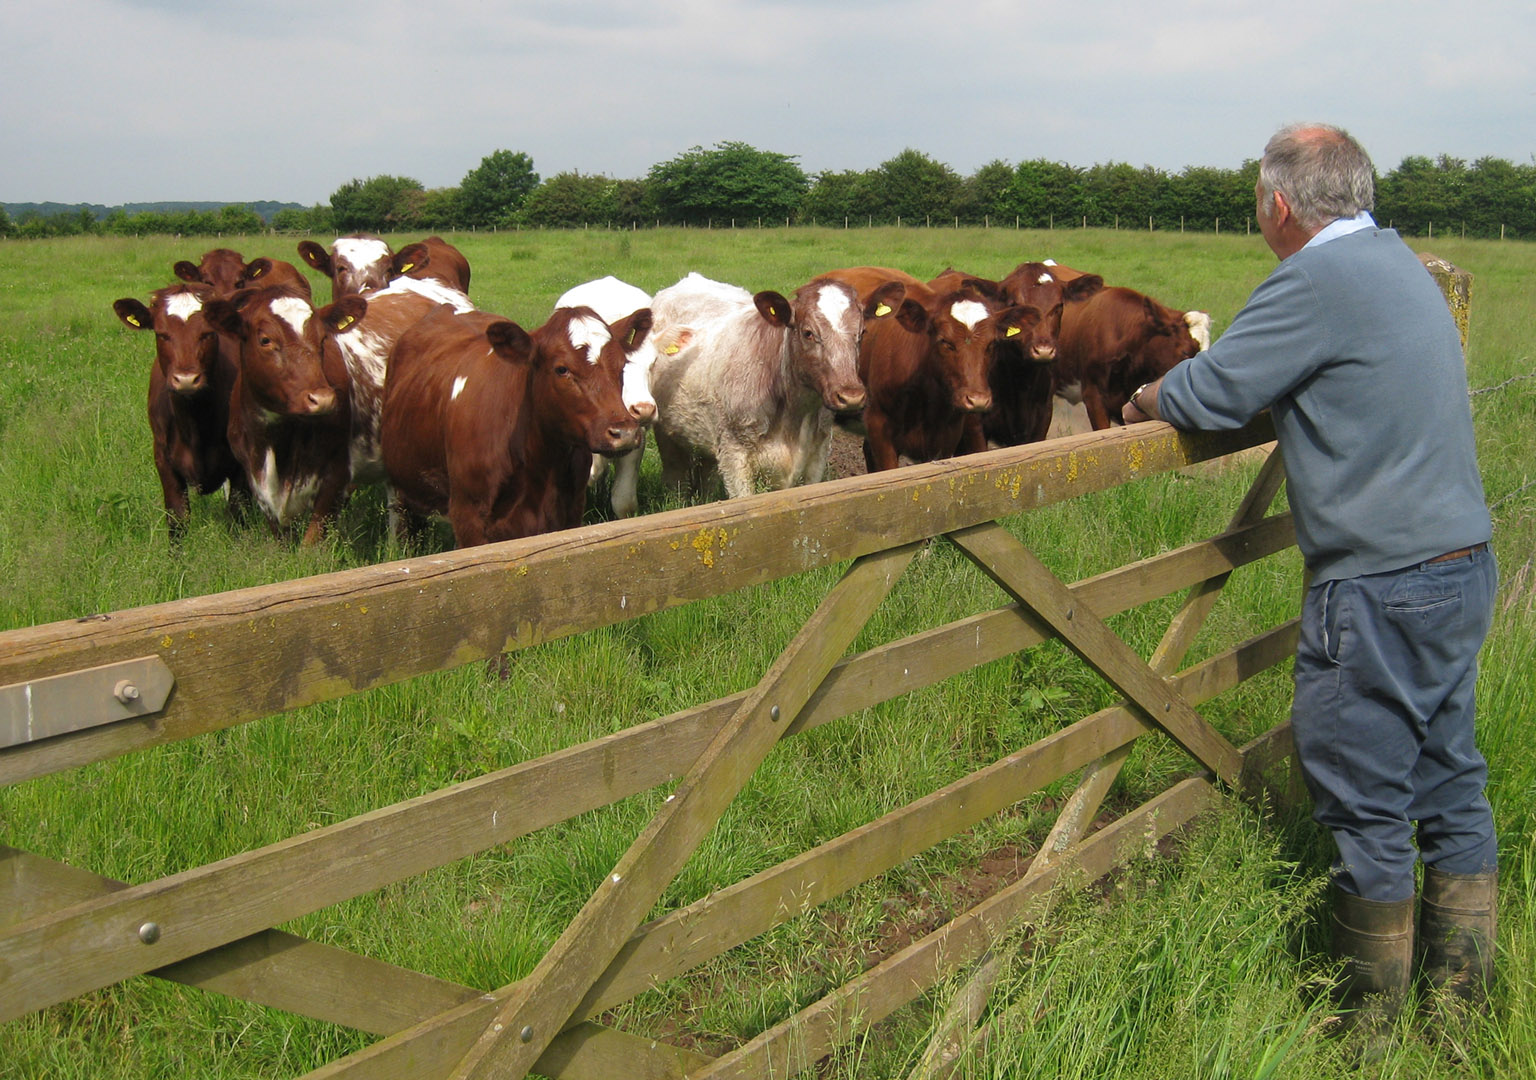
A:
1136, 397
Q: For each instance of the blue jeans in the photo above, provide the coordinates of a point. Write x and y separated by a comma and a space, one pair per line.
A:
1386, 669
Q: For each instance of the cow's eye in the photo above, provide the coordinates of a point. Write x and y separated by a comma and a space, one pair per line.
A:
264, 341
808, 335
562, 371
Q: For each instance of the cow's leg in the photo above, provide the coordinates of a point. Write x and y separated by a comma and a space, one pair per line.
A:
677, 465
735, 463
879, 449
1093, 401
973, 436
626, 480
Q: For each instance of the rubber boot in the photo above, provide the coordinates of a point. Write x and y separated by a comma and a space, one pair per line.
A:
1375, 941
1457, 924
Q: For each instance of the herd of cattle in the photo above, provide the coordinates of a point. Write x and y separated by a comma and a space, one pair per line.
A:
400, 379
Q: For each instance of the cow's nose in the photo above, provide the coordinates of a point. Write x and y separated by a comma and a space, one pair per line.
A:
320, 402
850, 400
1043, 353
183, 383
977, 402
643, 411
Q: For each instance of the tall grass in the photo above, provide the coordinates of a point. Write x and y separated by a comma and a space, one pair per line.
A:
1206, 963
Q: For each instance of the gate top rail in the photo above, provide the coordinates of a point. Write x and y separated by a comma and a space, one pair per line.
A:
241, 655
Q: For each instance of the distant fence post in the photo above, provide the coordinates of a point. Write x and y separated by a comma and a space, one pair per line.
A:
1456, 284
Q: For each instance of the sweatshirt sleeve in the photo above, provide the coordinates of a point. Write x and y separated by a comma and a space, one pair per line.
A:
1276, 341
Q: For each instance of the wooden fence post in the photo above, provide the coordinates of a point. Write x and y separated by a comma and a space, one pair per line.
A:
1456, 284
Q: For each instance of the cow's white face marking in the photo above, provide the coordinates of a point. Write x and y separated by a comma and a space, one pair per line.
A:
359, 252
458, 387
183, 306
1044, 279
833, 304
293, 311
431, 289
969, 312
589, 332
1049, 262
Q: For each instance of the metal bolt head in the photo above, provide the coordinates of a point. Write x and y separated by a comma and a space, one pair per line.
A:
125, 692
526, 1034
773, 714
149, 933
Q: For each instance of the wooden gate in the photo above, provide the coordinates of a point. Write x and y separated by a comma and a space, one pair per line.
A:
79, 692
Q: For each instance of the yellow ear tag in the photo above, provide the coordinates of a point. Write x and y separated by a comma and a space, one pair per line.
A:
774, 312
629, 342
883, 309
671, 350
346, 321
1013, 331
407, 268
135, 320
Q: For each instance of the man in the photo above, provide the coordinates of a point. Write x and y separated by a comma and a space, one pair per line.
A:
1350, 345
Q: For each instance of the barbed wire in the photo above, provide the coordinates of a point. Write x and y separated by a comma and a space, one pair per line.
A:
1510, 495
1502, 385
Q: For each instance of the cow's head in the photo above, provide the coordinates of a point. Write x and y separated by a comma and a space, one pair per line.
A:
282, 342
962, 332
219, 269
186, 345
1040, 286
576, 363
361, 264
822, 329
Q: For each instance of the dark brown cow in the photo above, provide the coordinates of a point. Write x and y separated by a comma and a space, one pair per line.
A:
926, 371
496, 427
268, 273
219, 269
1022, 377
1116, 340
290, 412
189, 388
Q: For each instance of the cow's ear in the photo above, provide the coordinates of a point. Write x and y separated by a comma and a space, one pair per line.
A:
189, 272
256, 268
1018, 320
884, 300
343, 314
631, 330
317, 257
224, 315
912, 316
773, 307
134, 313
510, 341
411, 257
1082, 288
673, 340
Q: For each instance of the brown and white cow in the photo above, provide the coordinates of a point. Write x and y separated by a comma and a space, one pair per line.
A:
290, 416
496, 427
1022, 375
362, 263
754, 391
218, 269
613, 299
189, 389
366, 346
926, 372
1116, 340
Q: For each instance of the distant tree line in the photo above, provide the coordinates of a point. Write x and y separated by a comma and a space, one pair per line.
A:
737, 184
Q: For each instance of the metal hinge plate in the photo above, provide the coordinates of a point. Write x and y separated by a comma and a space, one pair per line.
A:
59, 704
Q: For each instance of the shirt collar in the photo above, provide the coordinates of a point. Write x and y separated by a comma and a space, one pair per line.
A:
1342, 227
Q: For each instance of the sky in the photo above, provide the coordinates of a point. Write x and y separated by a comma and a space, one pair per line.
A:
114, 101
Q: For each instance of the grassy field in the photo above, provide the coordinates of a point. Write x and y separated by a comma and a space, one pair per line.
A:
1207, 964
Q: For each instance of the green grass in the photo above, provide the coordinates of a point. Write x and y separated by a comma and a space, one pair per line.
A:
1207, 964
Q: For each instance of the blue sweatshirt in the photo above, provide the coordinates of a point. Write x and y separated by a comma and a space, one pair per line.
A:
1350, 344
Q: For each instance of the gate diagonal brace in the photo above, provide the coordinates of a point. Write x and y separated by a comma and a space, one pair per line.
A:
1019, 571
539, 1006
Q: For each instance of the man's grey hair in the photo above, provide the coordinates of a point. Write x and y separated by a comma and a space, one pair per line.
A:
1322, 171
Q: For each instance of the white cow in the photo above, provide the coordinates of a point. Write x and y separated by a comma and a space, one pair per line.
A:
753, 392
